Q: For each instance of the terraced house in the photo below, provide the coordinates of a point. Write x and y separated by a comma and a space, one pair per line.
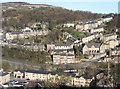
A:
63, 58
90, 37
79, 27
112, 43
73, 80
115, 52
107, 19
39, 32
4, 77
63, 46
29, 33
38, 24
93, 48
98, 29
87, 25
93, 24
68, 37
26, 29
108, 37
82, 81
14, 35
25, 34
27, 46
12, 44
69, 25
36, 75
99, 22
62, 51
53, 46
34, 47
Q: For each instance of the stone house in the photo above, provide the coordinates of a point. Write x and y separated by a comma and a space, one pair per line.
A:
63, 58
93, 48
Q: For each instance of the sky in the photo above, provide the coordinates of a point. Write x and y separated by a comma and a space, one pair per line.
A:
102, 6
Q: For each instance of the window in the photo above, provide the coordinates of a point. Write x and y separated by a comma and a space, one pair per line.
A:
18, 77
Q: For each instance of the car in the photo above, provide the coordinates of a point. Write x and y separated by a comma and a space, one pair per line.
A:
39, 85
5, 85
31, 66
18, 85
77, 59
13, 81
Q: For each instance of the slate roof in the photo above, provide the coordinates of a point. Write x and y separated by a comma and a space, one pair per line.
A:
62, 44
32, 44
91, 34
13, 42
69, 69
70, 49
20, 43
64, 54
96, 45
71, 74
97, 28
85, 77
99, 20
77, 76
27, 31
4, 73
16, 33
38, 30
106, 17
71, 39
61, 50
22, 71
37, 72
27, 44
107, 35
50, 43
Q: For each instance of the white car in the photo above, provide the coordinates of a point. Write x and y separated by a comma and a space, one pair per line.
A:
13, 81
5, 85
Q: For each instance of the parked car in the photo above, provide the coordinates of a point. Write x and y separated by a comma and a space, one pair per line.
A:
13, 81
5, 85
18, 85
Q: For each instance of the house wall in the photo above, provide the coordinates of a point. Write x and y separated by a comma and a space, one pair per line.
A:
97, 30
82, 82
18, 75
4, 79
69, 25
58, 59
93, 50
73, 81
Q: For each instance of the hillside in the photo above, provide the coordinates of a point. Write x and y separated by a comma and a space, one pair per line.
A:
19, 4
20, 17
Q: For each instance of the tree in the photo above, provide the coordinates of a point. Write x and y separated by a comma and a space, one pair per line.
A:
18, 17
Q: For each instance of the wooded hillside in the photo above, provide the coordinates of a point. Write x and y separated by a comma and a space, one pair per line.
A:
19, 17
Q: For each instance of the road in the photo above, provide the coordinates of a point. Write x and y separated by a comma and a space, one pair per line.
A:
81, 65
20, 63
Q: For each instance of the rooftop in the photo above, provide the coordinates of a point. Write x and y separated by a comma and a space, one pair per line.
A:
62, 44
4, 73
64, 54
37, 72
16, 33
107, 35
96, 45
